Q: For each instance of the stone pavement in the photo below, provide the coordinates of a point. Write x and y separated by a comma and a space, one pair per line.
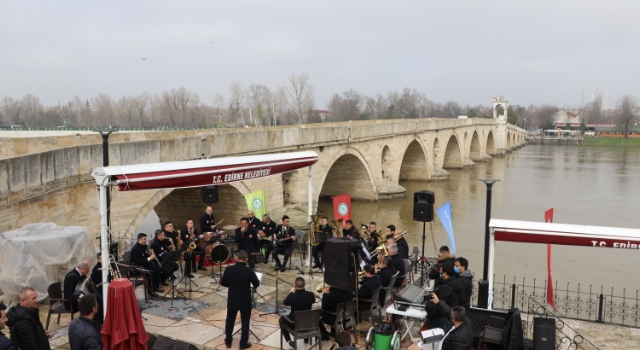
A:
200, 319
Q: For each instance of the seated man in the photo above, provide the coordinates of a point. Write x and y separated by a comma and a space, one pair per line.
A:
326, 232
146, 259
403, 246
190, 233
398, 263
96, 274
460, 336
266, 230
330, 298
83, 331
71, 280
284, 237
386, 273
299, 300
343, 341
160, 246
370, 283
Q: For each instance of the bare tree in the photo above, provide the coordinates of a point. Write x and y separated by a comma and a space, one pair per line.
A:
30, 109
300, 96
626, 104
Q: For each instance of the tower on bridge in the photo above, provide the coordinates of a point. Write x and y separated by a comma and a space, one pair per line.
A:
499, 102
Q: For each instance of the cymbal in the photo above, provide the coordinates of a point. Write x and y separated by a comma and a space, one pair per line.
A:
229, 227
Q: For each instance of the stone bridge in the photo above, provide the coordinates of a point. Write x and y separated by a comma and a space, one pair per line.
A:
48, 178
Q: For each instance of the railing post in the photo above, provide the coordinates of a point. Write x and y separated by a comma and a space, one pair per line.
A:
513, 296
600, 308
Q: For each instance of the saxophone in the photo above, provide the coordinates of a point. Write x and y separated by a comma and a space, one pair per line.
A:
192, 245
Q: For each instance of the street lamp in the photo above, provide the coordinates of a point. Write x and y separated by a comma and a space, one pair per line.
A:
483, 284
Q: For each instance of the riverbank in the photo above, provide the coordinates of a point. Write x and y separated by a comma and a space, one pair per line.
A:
610, 142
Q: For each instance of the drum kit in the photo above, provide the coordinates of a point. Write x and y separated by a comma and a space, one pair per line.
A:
220, 250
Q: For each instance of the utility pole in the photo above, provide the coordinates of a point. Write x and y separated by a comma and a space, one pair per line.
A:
483, 285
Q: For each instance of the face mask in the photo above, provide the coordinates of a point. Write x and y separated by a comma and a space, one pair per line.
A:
440, 275
456, 269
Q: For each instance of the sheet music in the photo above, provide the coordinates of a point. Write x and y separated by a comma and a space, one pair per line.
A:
259, 274
365, 250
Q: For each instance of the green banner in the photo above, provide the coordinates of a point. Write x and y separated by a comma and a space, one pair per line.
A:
255, 201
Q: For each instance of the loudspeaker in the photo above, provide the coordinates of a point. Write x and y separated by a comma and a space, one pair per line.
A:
163, 343
210, 194
423, 206
544, 333
340, 260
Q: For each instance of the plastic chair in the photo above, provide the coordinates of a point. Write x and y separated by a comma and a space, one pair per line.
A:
306, 325
299, 247
374, 305
389, 290
56, 303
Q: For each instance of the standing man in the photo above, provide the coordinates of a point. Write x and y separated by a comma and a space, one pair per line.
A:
160, 247
5, 343
207, 221
253, 222
326, 232
403, 246
190, 233
24, 324
247, 239
144, 257
299, 300
266, 232
239, 278
437, 316
71, 280
283, 243
466, 280
351, 231
83, 331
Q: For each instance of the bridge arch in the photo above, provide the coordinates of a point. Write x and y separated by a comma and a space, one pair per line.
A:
490, 144
475, 152
414, 164
349, 172
385, 163
452, 154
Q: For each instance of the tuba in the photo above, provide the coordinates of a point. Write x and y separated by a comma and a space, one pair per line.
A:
314, 226
337, 229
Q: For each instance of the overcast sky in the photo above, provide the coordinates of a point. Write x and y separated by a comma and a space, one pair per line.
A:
466, 51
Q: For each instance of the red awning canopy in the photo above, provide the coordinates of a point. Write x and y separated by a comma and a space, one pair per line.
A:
564, 234
199, 173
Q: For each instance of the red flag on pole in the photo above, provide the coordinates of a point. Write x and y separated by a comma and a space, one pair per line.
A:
551, 300
342, 207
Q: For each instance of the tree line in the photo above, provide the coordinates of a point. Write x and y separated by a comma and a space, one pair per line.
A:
293, 102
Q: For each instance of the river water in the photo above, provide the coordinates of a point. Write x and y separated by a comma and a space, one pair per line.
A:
589, 186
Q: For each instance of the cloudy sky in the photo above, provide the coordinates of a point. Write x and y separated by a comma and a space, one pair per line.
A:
462, 50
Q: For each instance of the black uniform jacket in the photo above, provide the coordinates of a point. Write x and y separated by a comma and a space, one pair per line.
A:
386, 274
184, 234
70, 282
160, 247
368, 286
269, 228
299, 300
352, 232
248, 240
139, 256
239, 278
325, 233
331, 299
206, 221
282, 233
398, 263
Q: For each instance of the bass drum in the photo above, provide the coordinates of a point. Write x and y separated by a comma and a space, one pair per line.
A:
219, 254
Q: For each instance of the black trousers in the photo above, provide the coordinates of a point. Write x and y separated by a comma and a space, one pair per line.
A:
267, 253
315, 252
167, 269
281, 250
199, 251
285, 333
231, 320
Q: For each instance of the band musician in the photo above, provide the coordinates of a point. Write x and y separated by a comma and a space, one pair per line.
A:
350, 231
330, 298
372, 243
207, 221
386, 273
96, 273
403, 246
247, 239
239, 278
283, 242
397, 261
326, 232
266, 230
299, 300
370, 283
253, 222
190, 233
160, 247
144, 257
170, 232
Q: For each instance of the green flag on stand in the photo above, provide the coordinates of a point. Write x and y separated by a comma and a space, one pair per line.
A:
255, 201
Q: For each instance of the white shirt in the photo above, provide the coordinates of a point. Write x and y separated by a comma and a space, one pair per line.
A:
442, 340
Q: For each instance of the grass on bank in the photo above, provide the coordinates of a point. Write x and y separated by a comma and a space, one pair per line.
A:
610, 141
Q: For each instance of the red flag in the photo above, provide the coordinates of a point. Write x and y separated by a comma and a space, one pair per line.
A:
551, 300
342, 207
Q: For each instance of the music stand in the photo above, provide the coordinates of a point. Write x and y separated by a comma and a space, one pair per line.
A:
174, 256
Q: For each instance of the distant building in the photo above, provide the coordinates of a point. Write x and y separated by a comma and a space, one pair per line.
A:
562, 118
324, 115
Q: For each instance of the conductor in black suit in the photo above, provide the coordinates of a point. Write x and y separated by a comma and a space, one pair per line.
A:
299, 300
283, 247
239, 279
247, 239
71, 280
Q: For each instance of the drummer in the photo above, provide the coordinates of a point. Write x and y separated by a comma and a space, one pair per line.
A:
266, 230
207, 221
247, 239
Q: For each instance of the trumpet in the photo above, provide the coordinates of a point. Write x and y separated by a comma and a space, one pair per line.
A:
324, 289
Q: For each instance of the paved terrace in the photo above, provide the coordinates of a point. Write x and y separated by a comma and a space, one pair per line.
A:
200, 320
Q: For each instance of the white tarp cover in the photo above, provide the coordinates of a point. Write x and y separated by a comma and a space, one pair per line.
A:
37, 255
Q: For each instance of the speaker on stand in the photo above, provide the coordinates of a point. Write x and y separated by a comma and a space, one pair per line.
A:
423, 211
210, 194
341, 262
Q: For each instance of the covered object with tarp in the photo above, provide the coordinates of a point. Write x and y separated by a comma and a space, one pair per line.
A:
37, 255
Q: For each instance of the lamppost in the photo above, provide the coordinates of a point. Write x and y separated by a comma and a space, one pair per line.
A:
483, 284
